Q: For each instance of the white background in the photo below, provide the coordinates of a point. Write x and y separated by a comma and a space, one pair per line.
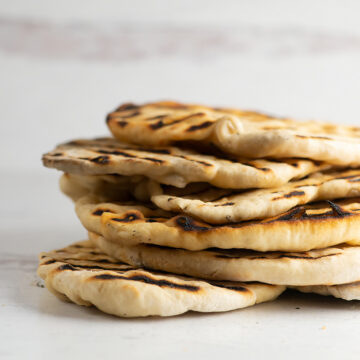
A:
65, 64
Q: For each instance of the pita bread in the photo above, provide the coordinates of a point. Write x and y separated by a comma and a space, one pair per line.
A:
173, 166
219, 206
244, 133
334, 265
344, 291
82, 274
300, 229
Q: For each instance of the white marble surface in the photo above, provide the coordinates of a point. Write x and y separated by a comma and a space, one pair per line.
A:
36, 325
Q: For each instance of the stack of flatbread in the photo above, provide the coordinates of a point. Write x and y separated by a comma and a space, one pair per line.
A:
195, 208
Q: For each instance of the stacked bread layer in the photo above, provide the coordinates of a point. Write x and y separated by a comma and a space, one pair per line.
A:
219, 196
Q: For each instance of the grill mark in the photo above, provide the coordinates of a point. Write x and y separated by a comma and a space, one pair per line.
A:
156, 151
148, 280
204, 125
127, 106
313, 137
226, 204
337, 210
99, 212
115, 152
49, 262
160, 124
157, 117
153, 160
193, 160
66, 267
122, 123
102, 160
187, 224
289, 195
128, 218
230, 287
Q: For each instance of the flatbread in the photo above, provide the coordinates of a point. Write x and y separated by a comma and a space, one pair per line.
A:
344, 291
116, 187
82, 274
334, 265
244, 133
174, 166
303, 228
219, 206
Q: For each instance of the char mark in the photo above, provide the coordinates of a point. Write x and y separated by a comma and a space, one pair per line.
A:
102, 160
204, 125
230, 287
99, 212
226, 204
128, 218
116, 152
289, 195
158, 161
313, 137
148, 280
187, 224
122, 123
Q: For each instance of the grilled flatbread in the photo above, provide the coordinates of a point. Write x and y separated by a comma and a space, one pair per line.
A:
174, 166
244, 133
219, 206
82, 274
344, 291
303, 228
334, 265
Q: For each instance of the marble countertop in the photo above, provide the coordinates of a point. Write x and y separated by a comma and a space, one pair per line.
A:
35, 324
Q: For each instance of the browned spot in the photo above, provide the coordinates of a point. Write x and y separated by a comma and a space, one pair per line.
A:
102, 160
57, 154
148, 280
204, 125
289, 195
99, 212
188, 224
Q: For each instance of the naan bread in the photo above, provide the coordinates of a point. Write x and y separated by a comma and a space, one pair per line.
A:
174, 166
244, 133
219, 206
82, 274
334, 265
344, 291
300, 229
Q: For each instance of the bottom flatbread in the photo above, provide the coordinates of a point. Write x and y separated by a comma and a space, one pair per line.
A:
86, 276
344, 291
330, 266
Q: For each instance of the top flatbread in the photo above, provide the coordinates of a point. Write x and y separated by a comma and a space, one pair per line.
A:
243, 133
83, 274
174, 166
